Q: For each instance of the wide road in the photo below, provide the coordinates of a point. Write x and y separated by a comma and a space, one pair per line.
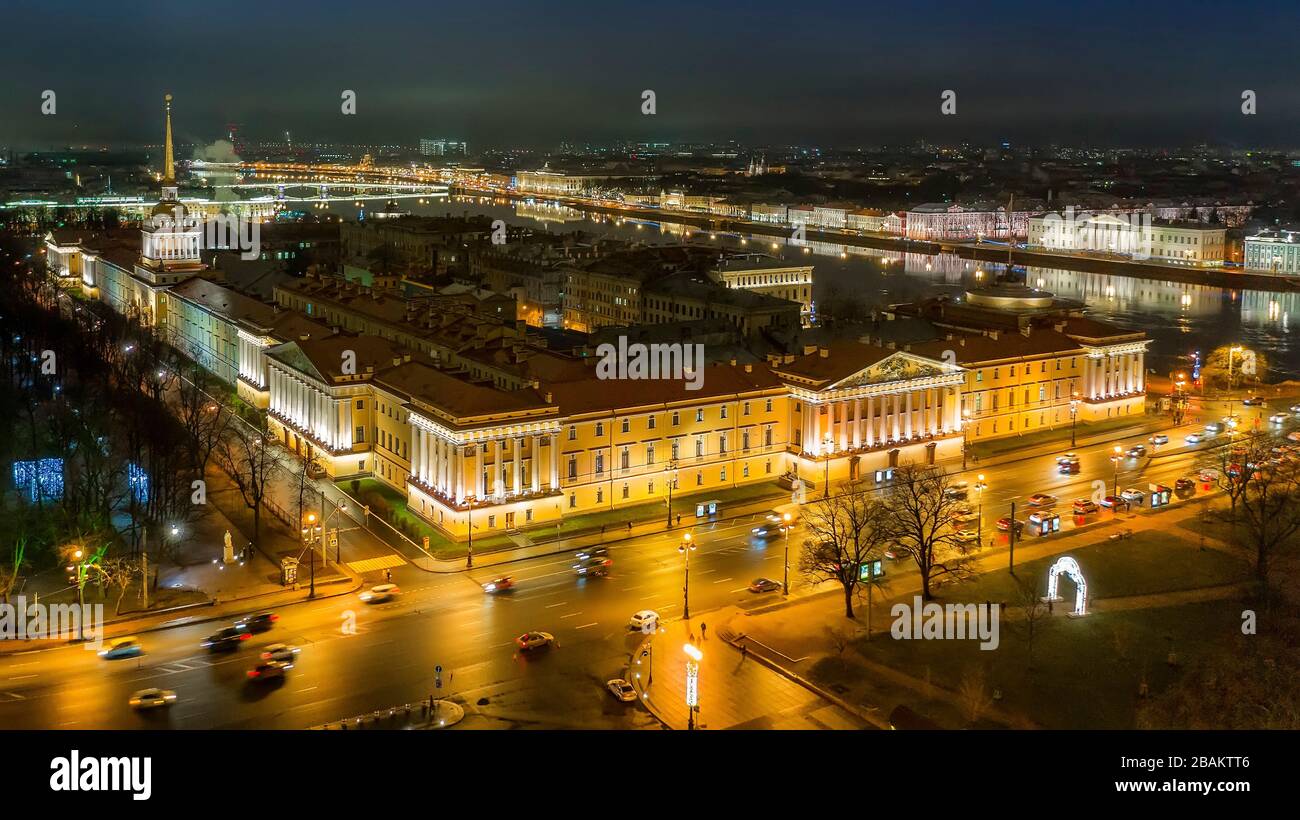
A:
448, 620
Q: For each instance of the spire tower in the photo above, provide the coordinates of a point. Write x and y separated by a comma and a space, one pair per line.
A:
169, 162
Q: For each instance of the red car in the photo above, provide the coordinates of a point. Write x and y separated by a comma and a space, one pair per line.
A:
1004, 525
499, 584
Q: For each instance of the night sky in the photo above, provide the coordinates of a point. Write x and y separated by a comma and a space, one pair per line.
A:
501, 72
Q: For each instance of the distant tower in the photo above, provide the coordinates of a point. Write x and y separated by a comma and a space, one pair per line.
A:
172, 236
169, 188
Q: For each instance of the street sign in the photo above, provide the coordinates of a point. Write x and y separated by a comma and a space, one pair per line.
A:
334, 538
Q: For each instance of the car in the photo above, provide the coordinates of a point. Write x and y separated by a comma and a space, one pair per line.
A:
380, 593
1295, 408
280, 652
766, 530
591, 552
962, 510
1215, 427
498, 584
1159, 438
965, 536
966, 516
645, 620
1253, 401
593, 567
270, 670
1068, 467
1278, 418
1041, 500
152, 698
1067, 457
1133, 494
959, 490
897, 552
534, 640
1137, 451
1207, 475
257, 623
1085, 506
225, 640
764, 585
1232, 420
1004, 525
621, 690
1115, 503
129, 647
1193, 438
1185, 486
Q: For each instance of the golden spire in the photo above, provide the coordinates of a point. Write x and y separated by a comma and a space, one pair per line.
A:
169, 164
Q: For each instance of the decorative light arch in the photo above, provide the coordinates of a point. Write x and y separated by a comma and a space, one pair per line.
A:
1069, 566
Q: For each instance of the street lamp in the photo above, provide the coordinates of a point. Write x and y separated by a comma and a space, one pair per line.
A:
785, 528
693, 657
1115, 459
1074, 412
670, 475
686, 548
979, 496
965, 422
829, 444
310, 537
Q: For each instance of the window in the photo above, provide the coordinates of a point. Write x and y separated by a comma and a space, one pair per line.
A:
722, 444
528, 514
676, 448
600, 463
573, 432
573, 501
625, 492
722, 412
626, 457
699, 414
699, 479
979, 375
361, 404
744, 440
722, 474
650, 453
744, 471
768, 406
650, 423
1042, 392
699, 446
360, 435
600, 429
768, 469
573, 467
767, 436
492, 522
677, 418
361, 466
995, 372
745, 410
600, 495
627, 425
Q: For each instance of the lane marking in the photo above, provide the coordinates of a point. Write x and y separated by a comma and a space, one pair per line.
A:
584, 626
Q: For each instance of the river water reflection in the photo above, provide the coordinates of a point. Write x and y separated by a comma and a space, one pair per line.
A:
1181, 318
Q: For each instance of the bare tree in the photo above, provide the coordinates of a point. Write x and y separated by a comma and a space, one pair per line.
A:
1031, 612
922, 504
973, 694
117, 573
1266, 516
848, 531
246, 457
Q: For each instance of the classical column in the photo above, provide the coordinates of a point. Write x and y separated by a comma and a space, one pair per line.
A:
871, 421
1142, 372
534, 469
516, 462
897, 433
857, 423
907, 428
844, 424
555, 461
415, 450
458, 464
816, 430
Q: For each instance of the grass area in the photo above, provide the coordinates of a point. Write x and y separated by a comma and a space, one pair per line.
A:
1065, 686
414, 526
1086, 671
1150, 562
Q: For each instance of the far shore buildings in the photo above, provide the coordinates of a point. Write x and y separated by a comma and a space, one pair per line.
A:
1138, 236
1275, 251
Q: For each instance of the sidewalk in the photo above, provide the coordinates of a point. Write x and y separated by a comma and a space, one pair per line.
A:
736, 691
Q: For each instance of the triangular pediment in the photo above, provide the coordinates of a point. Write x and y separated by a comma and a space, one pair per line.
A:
894, 368
290, 354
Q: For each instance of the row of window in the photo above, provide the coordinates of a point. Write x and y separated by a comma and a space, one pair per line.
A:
626, 424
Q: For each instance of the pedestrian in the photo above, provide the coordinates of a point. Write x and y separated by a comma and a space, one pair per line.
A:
629, 528
679, 519
388, 575
744, 651
703, 628
602, 530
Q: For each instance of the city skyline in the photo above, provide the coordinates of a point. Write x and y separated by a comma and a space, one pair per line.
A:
761, 73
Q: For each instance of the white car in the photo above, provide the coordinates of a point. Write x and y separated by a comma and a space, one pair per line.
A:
381, 593
1194, 438
1160, 438
645, 621
1041, 500
1067, 457
621, 690
1278, 418
152, 698
1133, 494
534, 640
280, 652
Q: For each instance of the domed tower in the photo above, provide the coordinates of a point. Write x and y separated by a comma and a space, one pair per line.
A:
172, 236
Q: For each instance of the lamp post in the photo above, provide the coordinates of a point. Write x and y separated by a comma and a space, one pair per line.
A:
785, 582
693, 657
469, 548
1074, 413
828, 443
965, 422
1115, 459
670, 475
979, 495
310, 537
80, 569
686, 548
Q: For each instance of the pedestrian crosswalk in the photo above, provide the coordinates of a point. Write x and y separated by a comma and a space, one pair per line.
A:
374, 564
186, 665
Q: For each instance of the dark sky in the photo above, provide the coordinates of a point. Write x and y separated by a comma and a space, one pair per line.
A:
501, 72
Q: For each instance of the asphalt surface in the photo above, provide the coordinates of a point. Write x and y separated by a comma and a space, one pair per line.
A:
449, 621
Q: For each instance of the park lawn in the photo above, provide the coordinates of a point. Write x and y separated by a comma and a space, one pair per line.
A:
439, 545
1081, 679
1149, 562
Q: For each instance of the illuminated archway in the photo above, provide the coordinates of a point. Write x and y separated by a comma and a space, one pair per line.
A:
1067, 565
